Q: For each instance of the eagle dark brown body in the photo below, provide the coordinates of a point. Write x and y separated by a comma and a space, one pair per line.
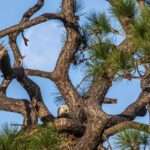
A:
5, 65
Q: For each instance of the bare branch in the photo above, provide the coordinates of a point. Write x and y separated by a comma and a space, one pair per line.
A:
35, 94
3, 87
20, 106
38, 107
126, 125
66, 56
132, 110
39, 73
15, 48
69, 125
14, 105
13, 36
37, 20
110, 101
31, 11
137, 108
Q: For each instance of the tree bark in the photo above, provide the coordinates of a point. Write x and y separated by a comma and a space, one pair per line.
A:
86, 122
91, 138
96, 122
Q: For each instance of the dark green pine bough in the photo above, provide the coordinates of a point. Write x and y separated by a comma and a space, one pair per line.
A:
82, 122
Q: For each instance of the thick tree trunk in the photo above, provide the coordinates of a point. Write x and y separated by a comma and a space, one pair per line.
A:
91, 129
86, 117
96, 122
91, 138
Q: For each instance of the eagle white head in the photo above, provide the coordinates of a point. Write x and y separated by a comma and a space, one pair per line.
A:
63, 110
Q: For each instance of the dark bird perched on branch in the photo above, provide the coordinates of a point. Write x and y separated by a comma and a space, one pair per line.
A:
5, 65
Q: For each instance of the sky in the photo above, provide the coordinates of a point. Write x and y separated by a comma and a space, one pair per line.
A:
45, 42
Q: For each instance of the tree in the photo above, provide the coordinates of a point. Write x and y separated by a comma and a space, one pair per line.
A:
86, 121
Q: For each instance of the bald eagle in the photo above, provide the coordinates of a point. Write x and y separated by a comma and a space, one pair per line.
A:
63, 111
5, 65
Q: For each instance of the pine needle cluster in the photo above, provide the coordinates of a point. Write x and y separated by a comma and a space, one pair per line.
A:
106, 58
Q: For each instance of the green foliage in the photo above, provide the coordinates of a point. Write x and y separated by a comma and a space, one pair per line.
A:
98, 24
141, 33
105, 58
7, 137
108, 60
141, 30
142, 25
129, 139
124, 8
37, 139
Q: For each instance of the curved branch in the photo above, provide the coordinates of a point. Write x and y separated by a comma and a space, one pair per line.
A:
69, 125
37, 20
31, 11
35, 94
3, 87
66, 56
135, 109
13, 36
126, 125
14, 105
20, 106
38, 107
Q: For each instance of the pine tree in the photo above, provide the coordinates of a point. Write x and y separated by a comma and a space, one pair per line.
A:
86, 125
